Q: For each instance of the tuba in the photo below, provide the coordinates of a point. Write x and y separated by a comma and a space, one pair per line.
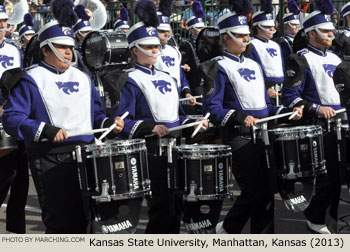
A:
16, 9
96, 11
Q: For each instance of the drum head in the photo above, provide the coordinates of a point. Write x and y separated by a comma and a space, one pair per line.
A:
118, 217
32, 52
208, 44
102, 49
296, 194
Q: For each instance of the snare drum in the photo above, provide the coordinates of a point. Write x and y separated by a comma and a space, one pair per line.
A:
299, 151
203, 172
117, 170
7, 143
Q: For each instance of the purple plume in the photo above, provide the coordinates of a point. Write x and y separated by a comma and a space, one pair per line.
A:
147, 12
166, 7
63, 11
241, 7
293, 7
28, 19
81, 13
325, 6
124, 14
197, 9
266, 6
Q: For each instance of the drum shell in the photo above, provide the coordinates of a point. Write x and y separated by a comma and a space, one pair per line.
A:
122, 164
299, 149
7, 142
207, 166
102, 48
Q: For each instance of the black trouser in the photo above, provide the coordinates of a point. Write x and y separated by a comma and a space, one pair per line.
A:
14, 174
328, 186
56, 181
256, 199
164, 206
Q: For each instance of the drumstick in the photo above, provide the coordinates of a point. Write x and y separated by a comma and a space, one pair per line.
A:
295, 113
199, 103
112, 126
273, 117
182, 127
199, 126
340, 111
90, 132
189, 98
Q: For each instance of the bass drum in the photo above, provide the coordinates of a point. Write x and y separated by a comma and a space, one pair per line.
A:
32, 52
208, 44
103, 48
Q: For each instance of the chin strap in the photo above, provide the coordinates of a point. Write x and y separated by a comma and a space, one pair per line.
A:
266, 30
237, 40
297, 29
324, 36
71, 63
148, 53
164, 38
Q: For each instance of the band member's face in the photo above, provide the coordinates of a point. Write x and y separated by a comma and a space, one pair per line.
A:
81, 36
164, 34
51, 59
196, 31
125, 29
264, 34
292, 29
3, 25
321, 41
145, 59
233, 46
25, 39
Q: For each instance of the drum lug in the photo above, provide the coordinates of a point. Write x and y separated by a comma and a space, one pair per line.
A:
192, 196
291, 174
104, 197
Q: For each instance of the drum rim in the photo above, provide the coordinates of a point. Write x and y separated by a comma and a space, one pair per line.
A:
308, 131
203, 147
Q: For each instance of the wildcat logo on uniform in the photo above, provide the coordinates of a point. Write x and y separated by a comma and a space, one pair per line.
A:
329, 69
247, 74
168, 61
6, 61
68, 87
242, 20
162, 86
272, 52
67, 31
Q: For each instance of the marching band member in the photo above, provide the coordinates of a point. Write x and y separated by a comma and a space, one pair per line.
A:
14, 170
345, 12
236, 99
81, 28
291, 28
122, 24
52, 101
152, 99
265, 51
188, 50
170, 60
309, 82
26, 32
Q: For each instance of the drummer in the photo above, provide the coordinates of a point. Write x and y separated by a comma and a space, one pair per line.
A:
310, 83
26, 31
236, 100
122, 24
170, 60
52, 101
14, 170
151, 96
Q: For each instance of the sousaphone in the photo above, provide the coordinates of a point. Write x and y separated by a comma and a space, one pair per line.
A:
16, 9
96, 11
